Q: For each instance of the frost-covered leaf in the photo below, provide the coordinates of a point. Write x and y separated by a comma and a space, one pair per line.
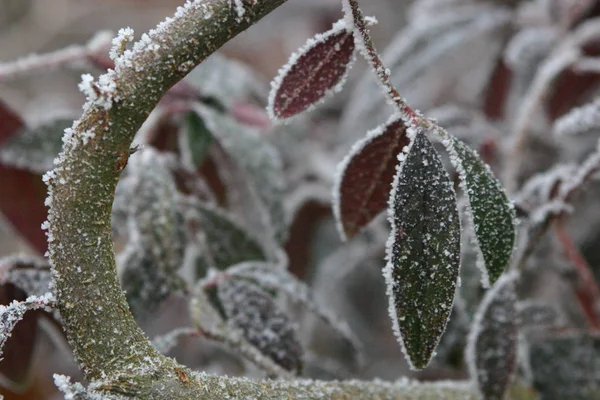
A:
11, 314
227, 243
317, 71
31, 274
279, 280
260, 168
490, 210
225, 80
34, 149
423, 251
263, 324
492, 344
365, 176
155, 249
566, 366
198, 139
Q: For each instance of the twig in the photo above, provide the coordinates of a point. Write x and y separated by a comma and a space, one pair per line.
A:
586, 288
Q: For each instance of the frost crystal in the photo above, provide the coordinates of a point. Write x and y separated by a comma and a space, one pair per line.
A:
119, 43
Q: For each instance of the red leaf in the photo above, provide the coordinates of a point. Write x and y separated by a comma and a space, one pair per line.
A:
318, 70
497, 92
23, 193
363, 185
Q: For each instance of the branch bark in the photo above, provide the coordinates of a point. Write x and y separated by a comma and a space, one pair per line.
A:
111, 349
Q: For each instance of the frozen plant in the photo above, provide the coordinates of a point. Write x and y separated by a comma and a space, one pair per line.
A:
267, 224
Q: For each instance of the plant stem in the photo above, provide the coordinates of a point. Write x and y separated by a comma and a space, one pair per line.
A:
355, 18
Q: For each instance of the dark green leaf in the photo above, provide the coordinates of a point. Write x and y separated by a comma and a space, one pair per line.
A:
423, 252
34, 149
492, 344
227, 242
199, 138
490, 210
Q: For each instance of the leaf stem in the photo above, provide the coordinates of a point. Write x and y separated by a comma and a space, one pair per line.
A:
362, 37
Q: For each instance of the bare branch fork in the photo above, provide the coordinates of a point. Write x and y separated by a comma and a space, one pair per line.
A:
111, 349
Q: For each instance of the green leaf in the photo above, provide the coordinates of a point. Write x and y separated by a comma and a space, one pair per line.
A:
493, 341
260, 170
227, 242
423, 251
199, 138
490, 211
34, 149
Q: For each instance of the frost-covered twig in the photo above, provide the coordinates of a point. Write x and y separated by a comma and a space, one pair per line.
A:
586, 288
566, 54
68, 56
11, 314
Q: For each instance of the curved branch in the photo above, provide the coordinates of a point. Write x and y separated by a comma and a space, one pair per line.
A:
111, 349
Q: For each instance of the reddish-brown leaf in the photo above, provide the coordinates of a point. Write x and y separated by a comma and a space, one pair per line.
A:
22, 193
318, 70
494, 102
366, 175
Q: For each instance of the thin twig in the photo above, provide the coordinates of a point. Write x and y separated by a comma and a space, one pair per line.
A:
586, 288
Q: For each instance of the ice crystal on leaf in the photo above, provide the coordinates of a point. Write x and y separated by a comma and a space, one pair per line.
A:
254, 312
492, 344
490, 210
365, 176
317, 71
423, 251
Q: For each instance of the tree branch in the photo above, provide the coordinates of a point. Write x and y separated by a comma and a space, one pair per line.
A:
111, 349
